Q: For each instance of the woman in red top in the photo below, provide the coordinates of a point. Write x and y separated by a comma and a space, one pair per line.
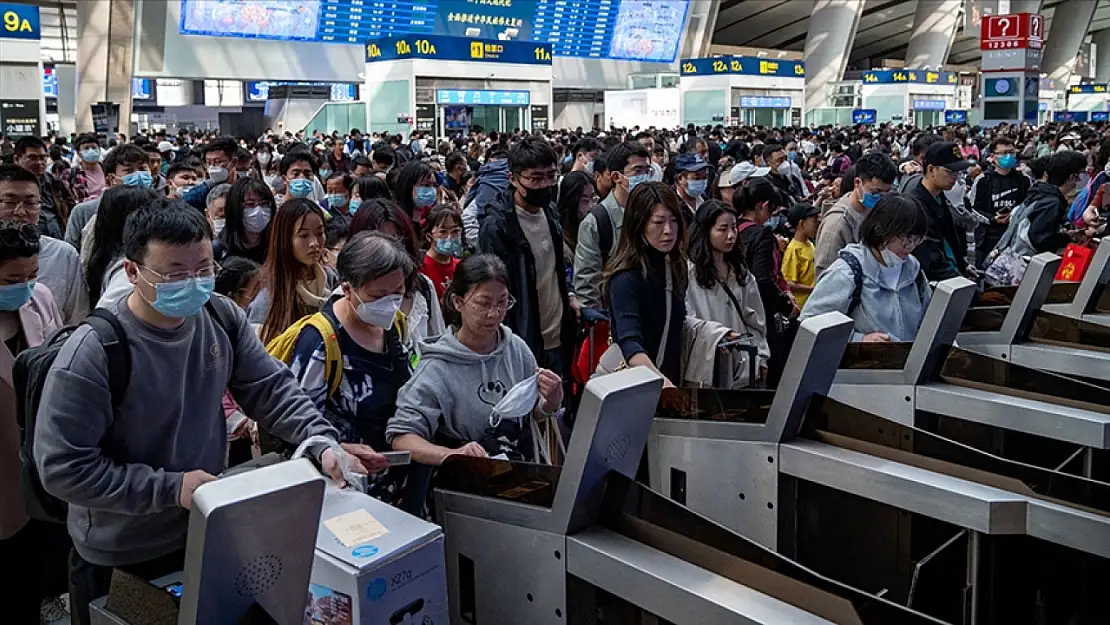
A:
443, 232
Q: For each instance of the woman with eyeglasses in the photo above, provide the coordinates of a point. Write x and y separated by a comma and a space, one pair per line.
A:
28, 315
447, 406
248, 211
104, 270
893, 290
297, 281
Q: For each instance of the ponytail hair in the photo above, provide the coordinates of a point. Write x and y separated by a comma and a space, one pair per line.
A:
755, 191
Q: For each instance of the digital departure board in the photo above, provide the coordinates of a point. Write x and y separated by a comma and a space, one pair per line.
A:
643, 30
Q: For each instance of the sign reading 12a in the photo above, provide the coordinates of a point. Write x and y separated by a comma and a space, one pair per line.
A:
19, 21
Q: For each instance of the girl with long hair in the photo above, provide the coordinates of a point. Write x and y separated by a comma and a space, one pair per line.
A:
721, 287
297, 282
647, 278
247, 215
104, 268
416, 191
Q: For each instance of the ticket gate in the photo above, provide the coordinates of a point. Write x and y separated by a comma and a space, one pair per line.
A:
891, 484
1092, 301
584, 543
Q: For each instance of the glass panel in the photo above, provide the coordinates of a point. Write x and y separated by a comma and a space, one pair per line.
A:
641, 513
875, 355
702, 107
962, 367
521, 482
1044, 482
704, 404
984, 319
1058, 329
1102, 304
389, 99
1058, 293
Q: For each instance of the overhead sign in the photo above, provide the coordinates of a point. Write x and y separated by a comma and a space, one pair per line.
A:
864, 116
1087, 88
482, 97
49, 83
955, 117
259, 90
917, 76
458, 49
742, 65
1012, 31
1070, 116
20, 118
1001, 88
765, 102
141, 89
19, 21
929, 105
1100, 116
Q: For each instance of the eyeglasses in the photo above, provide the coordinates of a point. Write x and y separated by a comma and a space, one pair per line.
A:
486, 309
16, 205
545, 180
206, 272
910, 243
639, 171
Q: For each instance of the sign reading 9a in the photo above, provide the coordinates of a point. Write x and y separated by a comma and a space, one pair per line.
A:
19, 21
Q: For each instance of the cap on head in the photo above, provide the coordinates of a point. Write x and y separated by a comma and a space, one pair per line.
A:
947, 155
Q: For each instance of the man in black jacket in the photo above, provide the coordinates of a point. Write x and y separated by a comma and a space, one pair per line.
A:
522, 231
942, 253
1048, 204
997, 192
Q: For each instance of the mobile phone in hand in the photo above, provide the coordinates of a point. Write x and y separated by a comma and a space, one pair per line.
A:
397, 458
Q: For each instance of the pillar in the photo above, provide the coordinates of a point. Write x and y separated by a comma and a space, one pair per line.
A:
934, 27
832, 31
700, 25
105, 47
1025, 6
1101, 40
1070, 22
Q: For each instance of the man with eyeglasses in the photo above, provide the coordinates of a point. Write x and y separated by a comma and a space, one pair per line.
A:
31, 154
220, 157
524, 234
129, 472
942, 255
59, 265
125, 165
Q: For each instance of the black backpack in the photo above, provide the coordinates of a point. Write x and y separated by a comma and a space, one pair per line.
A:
604, 231
29, 377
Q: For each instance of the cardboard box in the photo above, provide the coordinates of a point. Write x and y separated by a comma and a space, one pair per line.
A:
396, 578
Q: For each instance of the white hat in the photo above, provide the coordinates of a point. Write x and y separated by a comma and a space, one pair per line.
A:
165, 146
742, 171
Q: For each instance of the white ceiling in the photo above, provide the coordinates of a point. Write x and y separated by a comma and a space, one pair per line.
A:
883, 33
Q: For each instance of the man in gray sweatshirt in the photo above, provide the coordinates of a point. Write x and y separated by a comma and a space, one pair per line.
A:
129, 474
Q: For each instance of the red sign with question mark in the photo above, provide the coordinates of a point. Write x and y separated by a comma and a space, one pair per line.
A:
1012, 31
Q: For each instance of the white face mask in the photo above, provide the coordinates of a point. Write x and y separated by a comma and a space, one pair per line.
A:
518, 402
217, 174
892, 260
263, 158
256, 218
218, 226
380, 312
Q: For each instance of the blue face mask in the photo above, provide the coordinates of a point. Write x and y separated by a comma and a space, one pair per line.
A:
449, 247
696, 188
637, 179
352, 206
14, 296
425, 196
183, 298
1007, 161
337, 199
141, 179
300, 187
871, 199
324, 173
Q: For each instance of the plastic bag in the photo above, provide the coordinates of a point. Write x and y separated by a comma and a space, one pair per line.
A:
346, 462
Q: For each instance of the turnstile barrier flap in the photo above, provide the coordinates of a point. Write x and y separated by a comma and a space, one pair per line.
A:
637, 512
399, 533
705, 404
965, 368
1053, 329
520, 482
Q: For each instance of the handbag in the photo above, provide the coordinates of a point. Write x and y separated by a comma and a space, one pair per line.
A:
613, 359
1075, 262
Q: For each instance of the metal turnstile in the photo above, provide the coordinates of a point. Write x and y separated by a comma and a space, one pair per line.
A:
584, 543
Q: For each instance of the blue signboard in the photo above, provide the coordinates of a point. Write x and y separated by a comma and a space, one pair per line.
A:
1100, 116
49, 83
142, 89
641, 30
472, 97
1042, 106
765, 102
899, 76
743, 65
458, 49
864, 116
1087, 88
1070, 116
929, 105
955, 117
19, 21
259, 90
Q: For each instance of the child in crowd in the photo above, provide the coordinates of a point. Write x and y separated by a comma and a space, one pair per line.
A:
797, 262
443, 231
239, 279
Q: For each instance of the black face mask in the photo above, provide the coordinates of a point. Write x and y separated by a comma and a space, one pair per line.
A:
540, 198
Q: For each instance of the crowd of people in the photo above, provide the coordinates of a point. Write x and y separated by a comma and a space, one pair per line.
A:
448, 297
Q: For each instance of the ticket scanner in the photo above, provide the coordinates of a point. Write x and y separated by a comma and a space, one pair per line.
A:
585, 543
248, 556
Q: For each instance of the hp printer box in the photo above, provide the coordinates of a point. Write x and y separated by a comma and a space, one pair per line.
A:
396, 578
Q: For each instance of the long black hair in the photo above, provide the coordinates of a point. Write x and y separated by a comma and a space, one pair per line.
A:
407, 179
116, 205
471, 272
372, 187
894, 216
570, 193
233, 237
700, 251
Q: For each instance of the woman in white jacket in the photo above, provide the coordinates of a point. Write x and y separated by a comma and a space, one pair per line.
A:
721, 287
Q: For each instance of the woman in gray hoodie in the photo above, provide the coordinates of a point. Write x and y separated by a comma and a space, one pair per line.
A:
892, 290
447, 406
